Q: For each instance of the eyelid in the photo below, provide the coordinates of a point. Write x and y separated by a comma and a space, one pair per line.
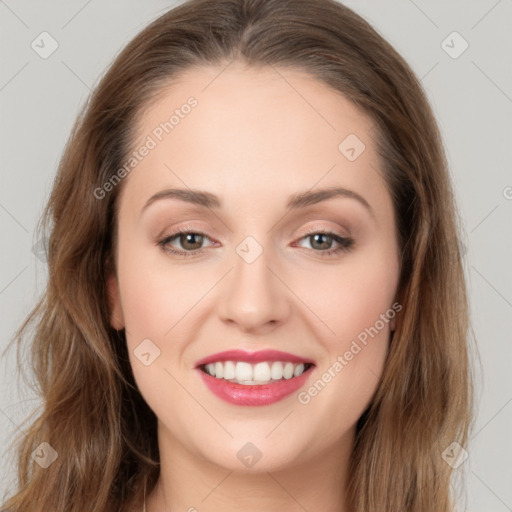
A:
186, 228
324, 229
203, 232
174, 233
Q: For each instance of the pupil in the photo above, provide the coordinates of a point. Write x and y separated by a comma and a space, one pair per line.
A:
325, 245
189, 237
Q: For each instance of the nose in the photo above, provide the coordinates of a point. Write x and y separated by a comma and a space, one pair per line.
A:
254, 296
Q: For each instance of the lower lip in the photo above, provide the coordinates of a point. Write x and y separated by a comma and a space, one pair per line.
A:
264, 394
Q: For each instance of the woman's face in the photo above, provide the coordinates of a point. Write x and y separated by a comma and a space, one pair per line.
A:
260, 145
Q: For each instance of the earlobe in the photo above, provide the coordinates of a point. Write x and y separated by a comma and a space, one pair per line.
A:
115, 310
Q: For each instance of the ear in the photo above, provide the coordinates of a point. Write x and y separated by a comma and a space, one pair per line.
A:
115, 310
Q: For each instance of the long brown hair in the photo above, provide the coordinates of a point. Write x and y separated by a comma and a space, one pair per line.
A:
93, 415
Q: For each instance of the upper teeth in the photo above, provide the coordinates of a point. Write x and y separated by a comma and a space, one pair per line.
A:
259, 373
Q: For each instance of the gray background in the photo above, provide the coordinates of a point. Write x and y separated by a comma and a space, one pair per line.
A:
472, 99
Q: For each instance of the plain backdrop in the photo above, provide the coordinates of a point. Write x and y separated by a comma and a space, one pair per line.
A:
470, 90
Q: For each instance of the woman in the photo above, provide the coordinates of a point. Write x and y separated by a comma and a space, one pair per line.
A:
255, 298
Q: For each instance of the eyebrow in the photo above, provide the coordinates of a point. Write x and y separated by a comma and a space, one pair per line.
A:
294, 202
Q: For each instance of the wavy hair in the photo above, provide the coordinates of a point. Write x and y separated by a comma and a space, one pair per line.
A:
92, 413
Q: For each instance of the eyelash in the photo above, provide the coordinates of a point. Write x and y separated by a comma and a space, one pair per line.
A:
345, 243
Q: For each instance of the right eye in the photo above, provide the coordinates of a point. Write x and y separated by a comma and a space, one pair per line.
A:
185, 237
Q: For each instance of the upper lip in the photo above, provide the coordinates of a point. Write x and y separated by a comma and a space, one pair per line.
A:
252, 357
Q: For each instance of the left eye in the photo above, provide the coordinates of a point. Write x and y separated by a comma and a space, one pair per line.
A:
319, 239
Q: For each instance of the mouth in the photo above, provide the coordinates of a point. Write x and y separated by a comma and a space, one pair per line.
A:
254, 378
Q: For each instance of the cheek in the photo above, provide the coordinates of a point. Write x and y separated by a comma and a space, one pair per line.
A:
354, 302
155, 295
350, 297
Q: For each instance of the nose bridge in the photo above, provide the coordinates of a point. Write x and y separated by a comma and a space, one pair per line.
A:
254, 296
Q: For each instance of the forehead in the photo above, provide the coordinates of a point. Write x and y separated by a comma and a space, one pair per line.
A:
253, 130
254, 98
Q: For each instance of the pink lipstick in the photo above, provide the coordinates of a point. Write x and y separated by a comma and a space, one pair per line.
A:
254, 378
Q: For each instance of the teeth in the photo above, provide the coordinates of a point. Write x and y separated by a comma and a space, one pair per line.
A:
298, 370
288, 371
219, 370
229, 370
276, 372
259, 373
243, 371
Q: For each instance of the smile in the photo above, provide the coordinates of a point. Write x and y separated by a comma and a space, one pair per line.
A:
258, 378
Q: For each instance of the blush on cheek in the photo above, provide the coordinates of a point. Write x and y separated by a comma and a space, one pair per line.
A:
350, 307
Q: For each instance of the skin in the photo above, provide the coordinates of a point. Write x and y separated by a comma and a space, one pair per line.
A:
255, 137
